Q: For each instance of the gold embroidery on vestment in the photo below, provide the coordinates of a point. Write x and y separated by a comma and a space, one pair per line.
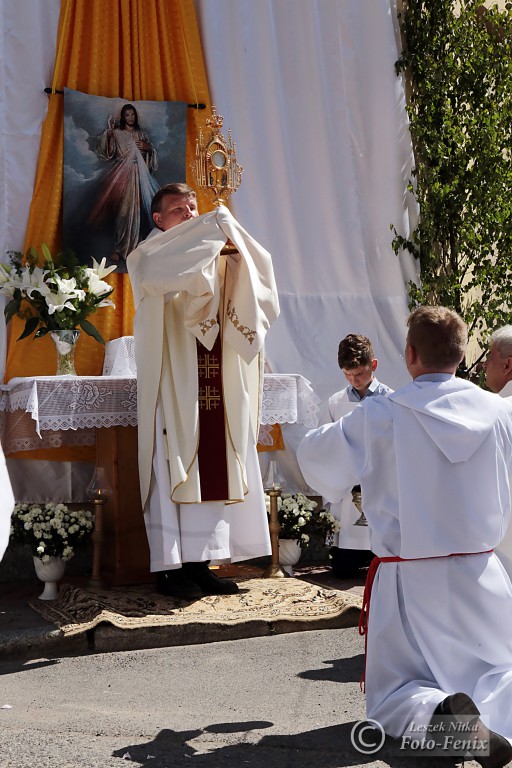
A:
209, 398
206, 325
244, 330
208, 366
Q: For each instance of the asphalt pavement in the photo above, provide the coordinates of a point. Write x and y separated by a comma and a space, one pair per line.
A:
283, 701
280, 701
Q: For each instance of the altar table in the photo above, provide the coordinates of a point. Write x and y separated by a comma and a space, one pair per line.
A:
52, 411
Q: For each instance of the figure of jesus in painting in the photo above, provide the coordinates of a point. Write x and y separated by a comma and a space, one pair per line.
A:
128, 185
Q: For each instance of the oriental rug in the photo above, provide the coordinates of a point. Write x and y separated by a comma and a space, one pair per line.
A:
285, 604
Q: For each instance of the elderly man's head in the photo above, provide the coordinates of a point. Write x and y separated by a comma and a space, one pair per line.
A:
498, 365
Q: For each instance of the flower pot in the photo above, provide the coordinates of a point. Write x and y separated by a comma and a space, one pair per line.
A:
289, 554
50, 572
65, 343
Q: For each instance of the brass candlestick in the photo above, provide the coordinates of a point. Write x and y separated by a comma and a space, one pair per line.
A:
98, 491
357, 500
97, 542
272, 484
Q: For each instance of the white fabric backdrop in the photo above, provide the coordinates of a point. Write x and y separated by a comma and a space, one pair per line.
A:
309, 90
28, 34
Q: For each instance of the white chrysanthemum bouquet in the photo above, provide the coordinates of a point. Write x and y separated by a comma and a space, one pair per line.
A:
51, 530
57, 296
300, 519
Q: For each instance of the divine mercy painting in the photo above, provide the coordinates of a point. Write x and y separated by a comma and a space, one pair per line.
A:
117, 155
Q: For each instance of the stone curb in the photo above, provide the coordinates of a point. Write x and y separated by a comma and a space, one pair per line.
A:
44, 642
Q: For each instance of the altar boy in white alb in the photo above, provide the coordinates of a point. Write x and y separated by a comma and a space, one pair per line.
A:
358, 363
201, 319
433, 460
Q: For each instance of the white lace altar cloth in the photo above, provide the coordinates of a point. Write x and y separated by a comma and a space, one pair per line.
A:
288, 398
120, 357
51, 411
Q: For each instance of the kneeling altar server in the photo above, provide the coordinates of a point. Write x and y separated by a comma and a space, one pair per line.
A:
433, 460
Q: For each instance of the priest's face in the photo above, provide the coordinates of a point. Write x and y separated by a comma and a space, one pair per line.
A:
497, 369
175, 209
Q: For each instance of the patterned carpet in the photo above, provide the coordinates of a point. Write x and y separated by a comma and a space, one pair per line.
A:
269, 600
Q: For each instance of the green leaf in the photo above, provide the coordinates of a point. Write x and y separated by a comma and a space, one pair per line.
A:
11, 309
30, 327
457, 57
46, 252
89, 328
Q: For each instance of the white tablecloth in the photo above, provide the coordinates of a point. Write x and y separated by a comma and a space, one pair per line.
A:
120, 357
50, 411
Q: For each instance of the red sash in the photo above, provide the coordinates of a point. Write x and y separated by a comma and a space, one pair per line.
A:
370, 577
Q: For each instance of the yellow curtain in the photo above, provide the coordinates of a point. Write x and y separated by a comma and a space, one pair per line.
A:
276, 433
134, 49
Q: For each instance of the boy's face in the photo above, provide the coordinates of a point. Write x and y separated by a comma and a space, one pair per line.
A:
361, 376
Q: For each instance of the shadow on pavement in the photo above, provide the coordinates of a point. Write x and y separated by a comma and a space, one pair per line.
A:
329, 747
341, 670
12, 667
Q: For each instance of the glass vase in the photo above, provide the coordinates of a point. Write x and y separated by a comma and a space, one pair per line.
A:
65, 343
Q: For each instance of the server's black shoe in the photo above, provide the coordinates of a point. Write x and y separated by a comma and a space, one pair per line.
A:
176, 583
209, 583
491, 749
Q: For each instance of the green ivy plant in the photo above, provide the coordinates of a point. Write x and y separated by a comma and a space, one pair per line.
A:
457, 59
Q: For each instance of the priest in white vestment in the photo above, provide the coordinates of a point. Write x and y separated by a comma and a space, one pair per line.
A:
6, 505
200, 313
498, 377
434, 461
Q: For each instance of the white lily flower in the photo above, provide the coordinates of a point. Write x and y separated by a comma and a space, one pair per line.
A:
96, 286
57, 302
106, 303
34, 281
101, 269
9, 281
66, 286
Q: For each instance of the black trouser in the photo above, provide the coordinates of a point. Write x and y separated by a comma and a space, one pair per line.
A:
346, 563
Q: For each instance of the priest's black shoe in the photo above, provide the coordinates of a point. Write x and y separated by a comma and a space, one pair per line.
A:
176, 583
462, 709
209, 583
